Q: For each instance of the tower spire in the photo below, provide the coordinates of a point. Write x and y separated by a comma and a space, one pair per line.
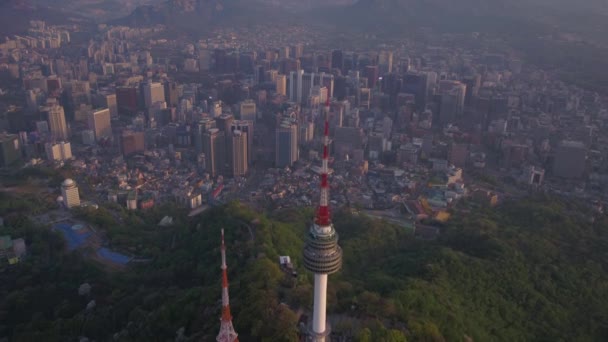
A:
322, 255
227, 333
323, 216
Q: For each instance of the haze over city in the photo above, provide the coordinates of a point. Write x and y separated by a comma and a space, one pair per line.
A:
338, 170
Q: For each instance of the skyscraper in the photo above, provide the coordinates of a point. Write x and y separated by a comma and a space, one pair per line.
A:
337, 60
245, 126
132, 142
100, 123
227, 333
214, 146
126, 100
153, 92
57, 125
238, 153
286, 147
322, 255
281, 84
9, 149
59, 151
69, 191
248, 110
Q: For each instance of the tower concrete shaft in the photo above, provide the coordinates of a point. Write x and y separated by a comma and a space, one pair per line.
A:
227, 333
322, 255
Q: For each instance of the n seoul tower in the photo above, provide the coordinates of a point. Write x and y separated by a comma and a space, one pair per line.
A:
322, 255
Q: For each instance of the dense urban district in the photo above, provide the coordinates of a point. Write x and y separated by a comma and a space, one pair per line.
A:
467, 183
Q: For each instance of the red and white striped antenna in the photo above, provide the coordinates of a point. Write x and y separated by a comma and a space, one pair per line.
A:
227, 333
323, 216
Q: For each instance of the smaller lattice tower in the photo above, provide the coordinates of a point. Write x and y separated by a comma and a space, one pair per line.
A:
227, 333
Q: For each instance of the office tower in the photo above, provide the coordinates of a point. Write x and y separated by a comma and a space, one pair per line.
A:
337, 60
245, 126
111, 104
372, 74
452, 100
171, 94
284, 52
295, 86
365, 98
153, 92
224, 123
202, 126
570, 159
214, 143
132, 142
385, 62
248, 110
322, 255
99, 122
10, 149
298, 50
58, 151
227, 333
216, 109
281, 85
473, 83
126, 100
57, 124
238, 153
69, 191
417, 84
286, 148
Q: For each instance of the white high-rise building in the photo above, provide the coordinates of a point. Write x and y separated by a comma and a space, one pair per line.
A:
69, 191
100, 123
153, 92
58, 151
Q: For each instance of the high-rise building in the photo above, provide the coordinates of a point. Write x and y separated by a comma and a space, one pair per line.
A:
295, 86
238, 153
281, 84
286, 148
201, 128
100, 123
171, 94
372, 74
337, 60
248, 110
153, 92
58, 151
69, 191
570, 159
224, 122
214, 147
57, 124
126, 100
132, 142
245, 126
227, 333
322, 254
10, 149
385, 62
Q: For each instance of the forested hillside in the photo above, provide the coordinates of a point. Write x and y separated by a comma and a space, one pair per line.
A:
532, 270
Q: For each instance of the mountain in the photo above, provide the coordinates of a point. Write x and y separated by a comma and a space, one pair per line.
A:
196, 15
99, 10
15, 16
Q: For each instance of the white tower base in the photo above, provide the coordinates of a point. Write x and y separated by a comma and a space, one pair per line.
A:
319, 330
